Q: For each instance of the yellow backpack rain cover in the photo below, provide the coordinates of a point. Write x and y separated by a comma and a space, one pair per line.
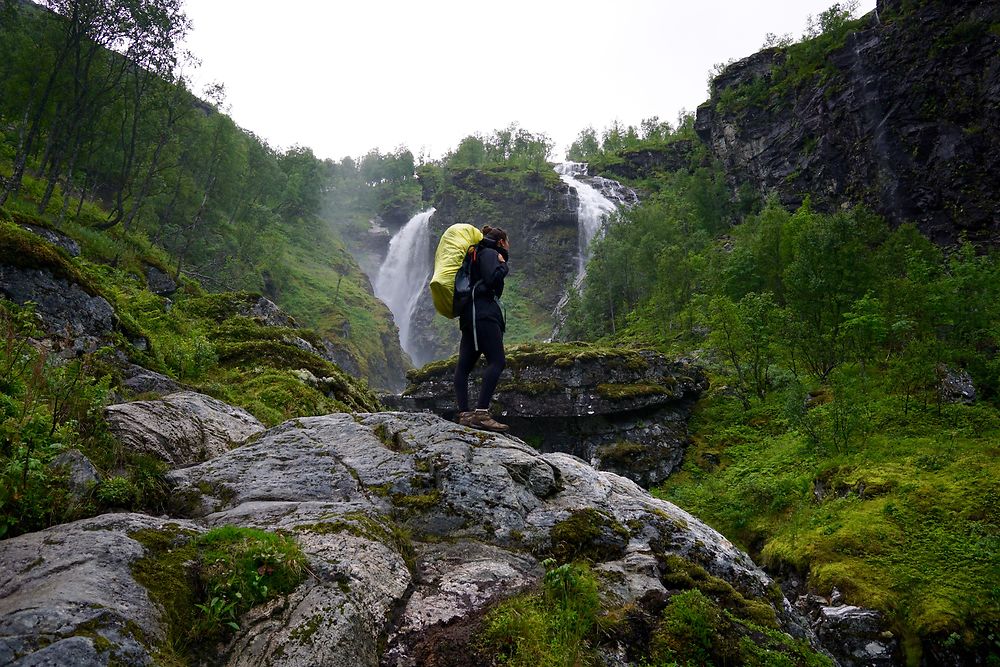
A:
455, 242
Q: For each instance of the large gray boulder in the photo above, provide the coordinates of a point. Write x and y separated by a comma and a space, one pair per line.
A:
413, 523
181, 428
412, 527
68, 596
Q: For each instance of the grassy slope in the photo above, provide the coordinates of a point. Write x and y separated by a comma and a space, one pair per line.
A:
197, 339
322, 286
905, 521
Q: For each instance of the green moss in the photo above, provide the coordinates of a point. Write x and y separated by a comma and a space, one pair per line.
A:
165, 572
622, 453
695, 629
419, 502
624, 392
19, 247
588, 534
558, 355
529, 388
901, 524
379, 529
205, 582
303, 633
555, 626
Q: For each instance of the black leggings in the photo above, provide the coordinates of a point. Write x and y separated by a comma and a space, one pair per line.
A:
490, 344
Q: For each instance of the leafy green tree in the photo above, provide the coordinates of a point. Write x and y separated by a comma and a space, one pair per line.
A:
585, 147
746, 334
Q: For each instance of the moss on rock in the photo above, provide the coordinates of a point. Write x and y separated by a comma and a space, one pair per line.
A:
588, 534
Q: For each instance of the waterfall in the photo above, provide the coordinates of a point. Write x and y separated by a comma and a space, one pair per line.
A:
598, 197
404, 274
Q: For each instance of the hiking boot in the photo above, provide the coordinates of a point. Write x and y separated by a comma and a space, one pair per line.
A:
481, 419
462, 418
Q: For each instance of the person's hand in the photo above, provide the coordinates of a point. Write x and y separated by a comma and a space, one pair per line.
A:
500, 257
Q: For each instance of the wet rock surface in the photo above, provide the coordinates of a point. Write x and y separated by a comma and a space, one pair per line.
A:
855, 636
625, 412
159, 282
71, 247
183, 427
413, 528
139, 380
68, 597
76, 320
81, 475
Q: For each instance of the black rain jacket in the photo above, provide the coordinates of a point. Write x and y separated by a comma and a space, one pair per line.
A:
489, 272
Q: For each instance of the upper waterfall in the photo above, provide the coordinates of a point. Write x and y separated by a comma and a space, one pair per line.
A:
598, 197
405, 272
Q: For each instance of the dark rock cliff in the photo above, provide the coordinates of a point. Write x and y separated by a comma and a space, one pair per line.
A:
902, 114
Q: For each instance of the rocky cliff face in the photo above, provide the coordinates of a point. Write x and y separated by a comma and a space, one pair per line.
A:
623, 411
538, 211
902, 114
413, 528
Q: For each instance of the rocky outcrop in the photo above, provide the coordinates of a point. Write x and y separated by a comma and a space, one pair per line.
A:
856, 636
81, 475
159, 282
902, 115
75, 319
635, 164
68, 595
181, 428
59, 239
623, 411
138, 380
412, 526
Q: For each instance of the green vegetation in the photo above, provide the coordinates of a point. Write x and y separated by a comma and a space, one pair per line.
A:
898, 517
704, 621
546, 629
559, 355
795, 65
51, 405
828, 445
617, 140
206, 582
46, 408
122, 157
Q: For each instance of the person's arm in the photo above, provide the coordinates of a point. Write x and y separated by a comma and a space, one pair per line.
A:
492, 270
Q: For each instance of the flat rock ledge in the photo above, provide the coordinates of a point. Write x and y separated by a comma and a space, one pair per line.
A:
412, 526
624, 411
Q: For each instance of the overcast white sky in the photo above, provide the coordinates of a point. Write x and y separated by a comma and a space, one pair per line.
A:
345, 77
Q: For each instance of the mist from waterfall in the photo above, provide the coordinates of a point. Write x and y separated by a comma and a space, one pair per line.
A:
405, 273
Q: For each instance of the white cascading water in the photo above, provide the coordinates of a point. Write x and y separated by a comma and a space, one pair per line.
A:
405, 273
594, 205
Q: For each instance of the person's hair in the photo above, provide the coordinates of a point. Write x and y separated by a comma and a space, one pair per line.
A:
494, 233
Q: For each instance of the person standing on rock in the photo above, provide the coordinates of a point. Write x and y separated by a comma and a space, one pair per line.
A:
483, 323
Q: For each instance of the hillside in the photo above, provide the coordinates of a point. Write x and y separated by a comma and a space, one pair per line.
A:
769, 432
849, 438
120, 130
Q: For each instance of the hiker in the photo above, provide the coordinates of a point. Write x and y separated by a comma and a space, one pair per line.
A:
485, 334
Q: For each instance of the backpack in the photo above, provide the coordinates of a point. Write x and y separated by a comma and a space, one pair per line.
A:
451, 285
